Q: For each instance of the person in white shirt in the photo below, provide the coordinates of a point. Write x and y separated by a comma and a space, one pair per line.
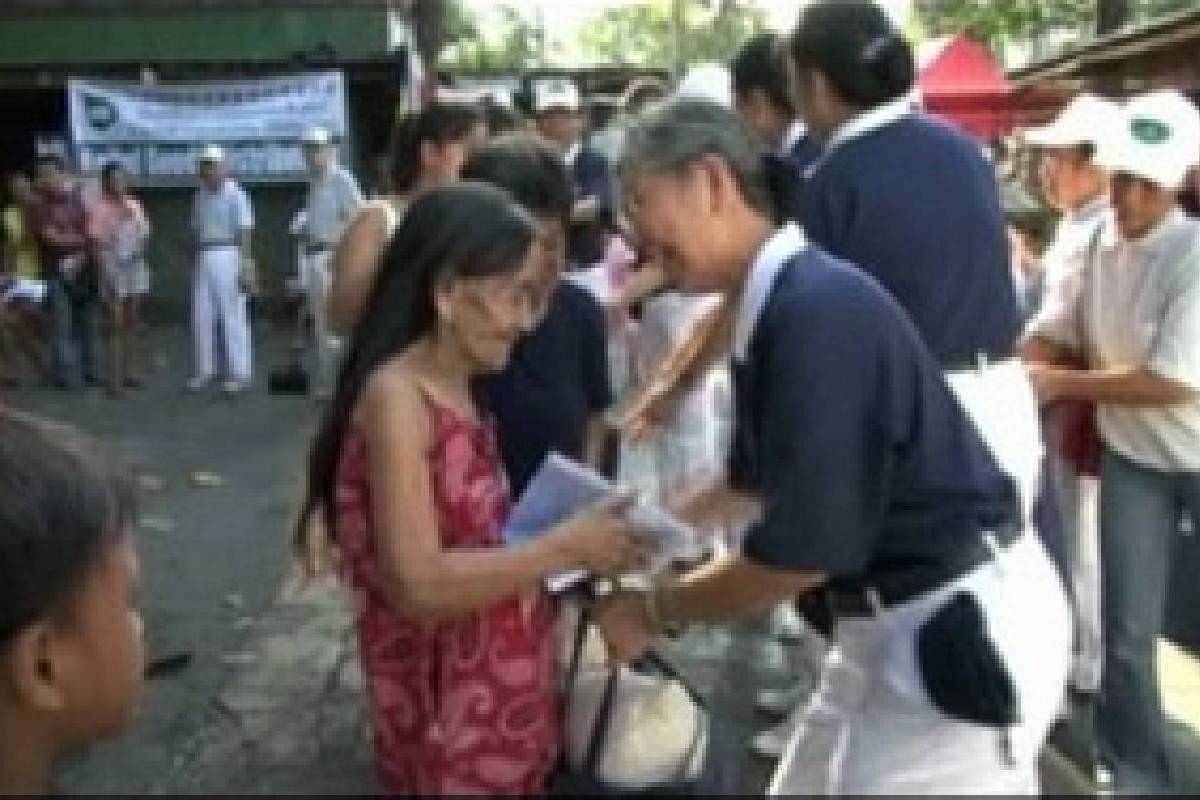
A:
1135, 323
1076, 187
222, 222
333, 200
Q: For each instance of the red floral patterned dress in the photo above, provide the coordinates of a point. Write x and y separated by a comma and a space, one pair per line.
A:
467, 706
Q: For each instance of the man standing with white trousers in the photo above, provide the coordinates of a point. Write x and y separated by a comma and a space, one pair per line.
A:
333, 200
1077, 187
222, 221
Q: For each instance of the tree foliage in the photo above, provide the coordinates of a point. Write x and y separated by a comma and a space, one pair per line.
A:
997, 22
513, 44
645, 34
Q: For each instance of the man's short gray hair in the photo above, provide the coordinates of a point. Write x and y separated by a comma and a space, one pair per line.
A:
673, 136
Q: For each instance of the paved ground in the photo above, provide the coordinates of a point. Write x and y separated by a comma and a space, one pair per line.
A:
213, 556
271, 700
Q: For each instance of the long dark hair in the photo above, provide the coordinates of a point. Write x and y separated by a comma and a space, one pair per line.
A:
439, 123
858, 49
468, 230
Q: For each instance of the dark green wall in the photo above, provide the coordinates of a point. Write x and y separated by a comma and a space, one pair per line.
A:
191, 37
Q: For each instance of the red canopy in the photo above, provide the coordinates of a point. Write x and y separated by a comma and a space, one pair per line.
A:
959, 80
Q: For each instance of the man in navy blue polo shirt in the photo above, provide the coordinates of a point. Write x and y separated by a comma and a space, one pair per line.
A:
872, 486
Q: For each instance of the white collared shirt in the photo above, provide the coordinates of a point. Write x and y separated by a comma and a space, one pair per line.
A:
787, 242
220, 216
572, 153
333, 200
795, 132
1138, 305
866, 122
1065, 260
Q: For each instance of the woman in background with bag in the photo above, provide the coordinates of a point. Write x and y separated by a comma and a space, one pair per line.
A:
120, 230
455, 627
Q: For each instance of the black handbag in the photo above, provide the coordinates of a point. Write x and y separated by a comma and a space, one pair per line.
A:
716, 776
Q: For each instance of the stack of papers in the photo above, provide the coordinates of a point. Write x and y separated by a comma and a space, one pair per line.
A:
562, 488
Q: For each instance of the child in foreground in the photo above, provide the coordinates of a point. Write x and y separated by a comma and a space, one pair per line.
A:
70, 631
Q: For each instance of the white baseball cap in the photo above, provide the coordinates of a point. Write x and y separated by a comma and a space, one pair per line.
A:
560, 94
1085, 120
317, 137
711, 82
1157, 138
212, 153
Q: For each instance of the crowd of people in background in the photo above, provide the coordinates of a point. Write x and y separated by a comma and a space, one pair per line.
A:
957, 460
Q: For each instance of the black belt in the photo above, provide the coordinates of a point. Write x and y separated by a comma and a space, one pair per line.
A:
215, 245
313, 249
846, 600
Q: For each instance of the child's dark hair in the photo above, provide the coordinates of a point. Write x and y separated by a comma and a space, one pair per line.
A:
528, 169
439, 123
761, 65
61, 505
856, 47
467, 229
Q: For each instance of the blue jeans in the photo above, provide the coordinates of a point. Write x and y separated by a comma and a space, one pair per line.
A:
1140, 513
73, 328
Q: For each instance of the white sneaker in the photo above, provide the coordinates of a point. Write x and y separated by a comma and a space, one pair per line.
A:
198, 383
781, 702
771, 743
234, 386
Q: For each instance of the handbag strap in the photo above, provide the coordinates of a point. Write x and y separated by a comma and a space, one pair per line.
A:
601, 724
603, 718
581, 629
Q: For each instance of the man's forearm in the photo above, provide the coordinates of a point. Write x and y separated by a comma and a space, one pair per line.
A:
1122, 386
715, 503
729, 588
1038, 350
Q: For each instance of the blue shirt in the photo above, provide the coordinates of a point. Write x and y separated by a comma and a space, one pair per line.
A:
804, 152
848, 432
555, 380
916, 205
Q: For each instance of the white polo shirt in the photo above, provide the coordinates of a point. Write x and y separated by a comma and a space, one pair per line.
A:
1074, 236
1138, 305
219, 217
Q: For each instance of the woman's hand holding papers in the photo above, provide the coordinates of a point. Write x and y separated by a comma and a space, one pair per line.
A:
600, 540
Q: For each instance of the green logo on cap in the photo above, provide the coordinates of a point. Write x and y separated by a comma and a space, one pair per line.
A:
1150, 131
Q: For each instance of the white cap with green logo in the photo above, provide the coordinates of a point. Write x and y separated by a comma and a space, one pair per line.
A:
1158, 139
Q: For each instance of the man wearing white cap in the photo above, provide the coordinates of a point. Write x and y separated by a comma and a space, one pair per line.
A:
559, 119
1135, 323
333, 200
222, 221
1075, 186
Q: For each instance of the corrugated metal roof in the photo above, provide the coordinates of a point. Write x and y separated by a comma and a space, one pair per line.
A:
1170, 30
